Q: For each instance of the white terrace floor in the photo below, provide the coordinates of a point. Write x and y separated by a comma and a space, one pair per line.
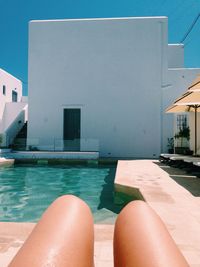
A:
177, 207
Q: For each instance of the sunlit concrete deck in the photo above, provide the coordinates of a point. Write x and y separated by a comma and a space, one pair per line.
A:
176, 206
13, 235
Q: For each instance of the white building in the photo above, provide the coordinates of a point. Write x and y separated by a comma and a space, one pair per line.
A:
106, 82
13, 107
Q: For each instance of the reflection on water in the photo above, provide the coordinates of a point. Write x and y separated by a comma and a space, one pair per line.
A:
26, 191
109, 198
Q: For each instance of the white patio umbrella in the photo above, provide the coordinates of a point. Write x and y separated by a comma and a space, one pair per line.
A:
188, 102
195, 86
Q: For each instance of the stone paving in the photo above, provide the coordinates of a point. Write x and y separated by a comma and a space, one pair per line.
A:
176, 206
150, 180
13, 235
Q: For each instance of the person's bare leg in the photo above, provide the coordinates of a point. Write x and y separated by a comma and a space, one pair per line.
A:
64, 237
142, 240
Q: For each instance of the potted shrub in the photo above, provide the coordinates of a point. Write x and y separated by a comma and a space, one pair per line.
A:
170, 145
3, 148
1, 142
1, 139
182, 137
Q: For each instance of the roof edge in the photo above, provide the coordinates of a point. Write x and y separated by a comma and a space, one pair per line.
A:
99, 19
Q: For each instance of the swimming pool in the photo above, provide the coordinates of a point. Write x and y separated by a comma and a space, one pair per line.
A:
26, 191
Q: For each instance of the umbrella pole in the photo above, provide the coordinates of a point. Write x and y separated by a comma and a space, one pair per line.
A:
195, 127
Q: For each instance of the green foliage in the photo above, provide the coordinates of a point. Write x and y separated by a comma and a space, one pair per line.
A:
170, 143
33, 148
183, 133
1, 139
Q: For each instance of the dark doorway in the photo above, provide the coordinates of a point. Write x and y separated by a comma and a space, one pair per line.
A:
14, 96
71, 129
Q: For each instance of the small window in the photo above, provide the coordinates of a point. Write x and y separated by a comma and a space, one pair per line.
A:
181, 122
4, 90
14, 96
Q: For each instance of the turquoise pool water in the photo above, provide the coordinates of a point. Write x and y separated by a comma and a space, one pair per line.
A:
26, 191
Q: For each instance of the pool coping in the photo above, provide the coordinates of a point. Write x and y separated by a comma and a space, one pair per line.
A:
50, 155
6, 162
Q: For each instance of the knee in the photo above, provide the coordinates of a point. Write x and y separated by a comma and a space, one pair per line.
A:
71, 200
138, 217
131, 211
65, 228
139, 228
69, 206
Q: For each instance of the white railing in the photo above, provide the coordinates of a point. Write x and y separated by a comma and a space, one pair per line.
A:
13, 129
56, 144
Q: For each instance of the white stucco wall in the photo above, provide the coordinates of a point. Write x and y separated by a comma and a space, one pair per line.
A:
13, 115
11, 84
110, 68
12, 110
175, 56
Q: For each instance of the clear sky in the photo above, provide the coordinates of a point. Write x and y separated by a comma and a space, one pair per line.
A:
15, 15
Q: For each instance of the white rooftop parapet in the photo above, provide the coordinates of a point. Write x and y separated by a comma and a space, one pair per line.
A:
175, 56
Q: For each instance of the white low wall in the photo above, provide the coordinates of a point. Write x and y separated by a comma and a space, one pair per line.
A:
52, 155
14, 123
11, 84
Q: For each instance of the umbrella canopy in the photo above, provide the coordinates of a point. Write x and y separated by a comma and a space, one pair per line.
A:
190, 98
195, 86
178, 109
190, 101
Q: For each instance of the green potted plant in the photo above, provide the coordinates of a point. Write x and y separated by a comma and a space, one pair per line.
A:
170, 145
184, 132
1, 139
183, 136
3, 148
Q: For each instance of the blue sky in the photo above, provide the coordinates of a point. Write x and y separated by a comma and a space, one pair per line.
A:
15, 15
